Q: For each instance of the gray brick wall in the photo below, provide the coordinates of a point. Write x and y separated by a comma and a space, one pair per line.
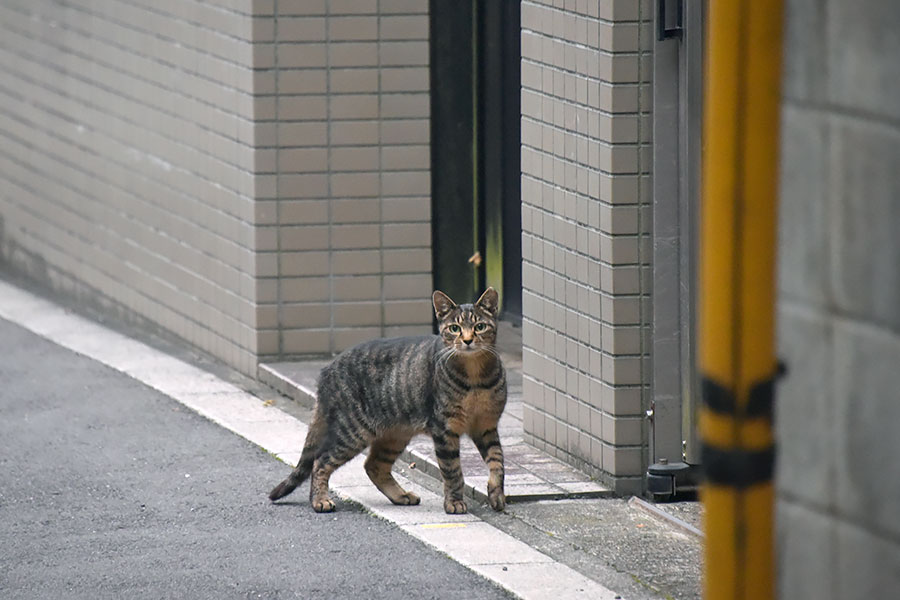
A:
349, 209
586, 220
839, 308
127, 160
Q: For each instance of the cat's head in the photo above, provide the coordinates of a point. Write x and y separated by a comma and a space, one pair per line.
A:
467, 327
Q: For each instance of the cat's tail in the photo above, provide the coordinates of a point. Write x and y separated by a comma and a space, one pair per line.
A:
297, 476
305, 464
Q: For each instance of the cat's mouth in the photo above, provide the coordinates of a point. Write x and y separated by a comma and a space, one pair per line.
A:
469, 348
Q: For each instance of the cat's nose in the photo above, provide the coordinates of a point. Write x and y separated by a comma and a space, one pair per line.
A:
468, 341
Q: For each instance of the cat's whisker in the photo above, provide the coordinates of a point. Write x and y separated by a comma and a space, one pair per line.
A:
491, 350
444, 355
444, 352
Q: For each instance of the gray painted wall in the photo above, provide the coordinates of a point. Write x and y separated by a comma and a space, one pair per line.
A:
839, 310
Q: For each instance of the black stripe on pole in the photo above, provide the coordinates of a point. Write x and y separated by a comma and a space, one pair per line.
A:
717, 398
737, 468
721, 400
762, 399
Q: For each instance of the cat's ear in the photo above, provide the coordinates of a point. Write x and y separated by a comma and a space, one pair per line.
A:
489, 301
442, 304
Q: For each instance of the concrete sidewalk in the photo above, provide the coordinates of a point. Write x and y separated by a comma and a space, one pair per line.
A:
570, 548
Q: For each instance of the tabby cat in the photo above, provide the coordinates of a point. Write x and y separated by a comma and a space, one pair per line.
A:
381, 393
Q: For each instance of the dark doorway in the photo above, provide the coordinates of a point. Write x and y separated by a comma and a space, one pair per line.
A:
475, 150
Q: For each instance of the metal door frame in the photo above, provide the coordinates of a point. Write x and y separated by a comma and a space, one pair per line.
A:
475, 150
677, 118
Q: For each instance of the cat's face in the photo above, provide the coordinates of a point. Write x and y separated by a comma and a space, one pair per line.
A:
467, 328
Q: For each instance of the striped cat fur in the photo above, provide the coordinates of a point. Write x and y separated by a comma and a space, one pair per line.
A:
381, 393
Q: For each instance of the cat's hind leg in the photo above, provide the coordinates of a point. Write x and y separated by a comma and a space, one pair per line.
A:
382, 455
331, 457
305, 464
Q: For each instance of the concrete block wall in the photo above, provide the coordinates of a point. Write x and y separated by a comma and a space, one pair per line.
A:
839, 308
586, 223
127, 160
346, 243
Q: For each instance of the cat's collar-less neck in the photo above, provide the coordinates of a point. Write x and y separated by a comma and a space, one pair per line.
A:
475, 354
475, 363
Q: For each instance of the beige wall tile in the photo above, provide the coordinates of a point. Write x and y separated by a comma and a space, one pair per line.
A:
353, 54
303, 55
404, 27
303, 264
306, 341
407, 286
352, 28
302, 81
302, 7
354, 106
357, 314
347, 338
360, 287
353, 80
406, 209
404, 6
313, 315
345, 237
356, 210
350, 185
305, 289
352, 262
404, 53
353, 7
417, 260
364, 158
302, 29
407, 234
403, 312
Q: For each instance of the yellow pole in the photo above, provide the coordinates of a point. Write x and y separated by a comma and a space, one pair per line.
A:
737, 294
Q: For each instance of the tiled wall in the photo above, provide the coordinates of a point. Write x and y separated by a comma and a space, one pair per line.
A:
586, 221
839, 309
251, 176
127, 164
347, 140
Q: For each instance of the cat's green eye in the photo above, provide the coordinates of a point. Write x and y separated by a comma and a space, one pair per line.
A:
479, 327
454, 328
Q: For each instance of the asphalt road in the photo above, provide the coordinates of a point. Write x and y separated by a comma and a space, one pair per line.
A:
109, 489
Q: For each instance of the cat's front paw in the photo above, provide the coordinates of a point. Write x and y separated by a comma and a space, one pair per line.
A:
455, 507
497, 499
